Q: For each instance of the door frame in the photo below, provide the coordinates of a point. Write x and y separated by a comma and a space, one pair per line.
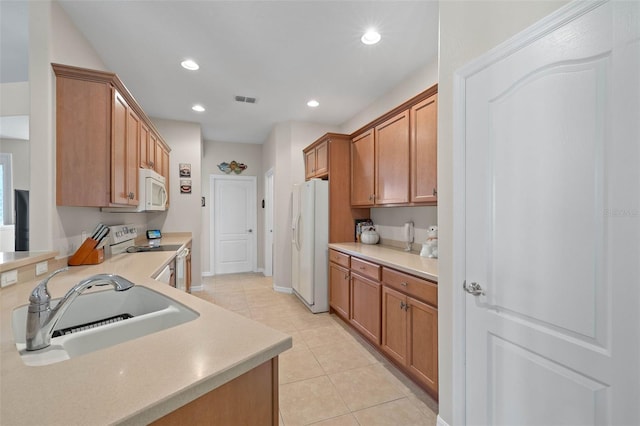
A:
269, 177
544, 26
212, 215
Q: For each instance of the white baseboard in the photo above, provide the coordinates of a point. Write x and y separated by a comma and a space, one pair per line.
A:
259, 271
196, 288
286, 290
441, 422
207, 274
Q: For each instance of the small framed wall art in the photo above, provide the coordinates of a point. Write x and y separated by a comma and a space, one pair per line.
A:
185, 170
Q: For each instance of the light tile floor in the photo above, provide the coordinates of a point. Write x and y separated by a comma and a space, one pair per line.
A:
331, 376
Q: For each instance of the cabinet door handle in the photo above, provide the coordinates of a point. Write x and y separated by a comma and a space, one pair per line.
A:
403, 284
346, 276
435, 192
402, 305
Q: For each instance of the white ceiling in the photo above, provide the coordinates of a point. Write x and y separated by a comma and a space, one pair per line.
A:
281, 52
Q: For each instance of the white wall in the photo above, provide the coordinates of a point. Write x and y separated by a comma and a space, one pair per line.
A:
185, 211
467, 30
52, 38
417, 82
215, 153
283, 152
15, 98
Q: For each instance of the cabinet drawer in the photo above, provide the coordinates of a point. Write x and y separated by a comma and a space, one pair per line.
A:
365, 268
339, 258
410, 285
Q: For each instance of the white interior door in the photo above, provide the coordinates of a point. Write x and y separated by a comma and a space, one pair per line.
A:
268, 223
551, 183
234, 223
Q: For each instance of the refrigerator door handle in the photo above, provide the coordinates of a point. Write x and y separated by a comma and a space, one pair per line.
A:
296, 233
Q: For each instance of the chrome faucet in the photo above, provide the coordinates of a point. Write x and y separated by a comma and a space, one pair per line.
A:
41, 319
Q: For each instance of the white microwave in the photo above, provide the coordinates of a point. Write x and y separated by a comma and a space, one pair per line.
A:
153, 191
152, 194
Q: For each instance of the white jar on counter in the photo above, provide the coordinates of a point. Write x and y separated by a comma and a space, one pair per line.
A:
369, 236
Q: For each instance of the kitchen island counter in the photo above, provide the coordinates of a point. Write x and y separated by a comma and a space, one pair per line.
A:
140, 380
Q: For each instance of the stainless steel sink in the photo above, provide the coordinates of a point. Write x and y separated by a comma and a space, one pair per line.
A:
85, 322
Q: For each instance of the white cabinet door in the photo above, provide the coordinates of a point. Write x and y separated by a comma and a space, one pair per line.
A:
552, 223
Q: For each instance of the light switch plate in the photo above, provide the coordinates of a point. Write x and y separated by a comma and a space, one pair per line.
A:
9, 278
42, 268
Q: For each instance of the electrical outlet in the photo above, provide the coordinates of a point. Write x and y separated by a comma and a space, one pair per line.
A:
42, 268
9, 278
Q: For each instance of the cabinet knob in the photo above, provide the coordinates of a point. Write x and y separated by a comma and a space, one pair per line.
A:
346, 276
151, 163
403, 284
435, 192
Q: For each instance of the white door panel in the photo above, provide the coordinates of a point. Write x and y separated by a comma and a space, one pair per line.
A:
234, 222
551, 219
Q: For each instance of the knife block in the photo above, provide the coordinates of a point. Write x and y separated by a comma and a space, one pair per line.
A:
87, 254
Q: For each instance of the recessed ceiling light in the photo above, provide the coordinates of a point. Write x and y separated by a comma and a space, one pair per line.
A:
190, 65
313, 103
198, 108
370, 37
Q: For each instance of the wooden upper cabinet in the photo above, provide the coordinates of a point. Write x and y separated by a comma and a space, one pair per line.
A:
424, 151
328, 158
392, 160
101, 133
362, 169
131, 157
124, 152
322, 159
151, 151
316, 160
164, 167
143, 152
119, 188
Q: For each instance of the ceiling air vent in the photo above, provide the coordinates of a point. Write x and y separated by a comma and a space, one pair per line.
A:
246, 99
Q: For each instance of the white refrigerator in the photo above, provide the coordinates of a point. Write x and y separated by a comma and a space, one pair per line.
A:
310, 226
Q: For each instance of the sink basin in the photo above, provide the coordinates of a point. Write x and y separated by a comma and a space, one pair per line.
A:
146, 311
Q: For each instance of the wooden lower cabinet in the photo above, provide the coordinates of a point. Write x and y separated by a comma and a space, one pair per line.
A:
250, 399
394, 324
339, 290
422, 333
396, 311
365, 307
410, 336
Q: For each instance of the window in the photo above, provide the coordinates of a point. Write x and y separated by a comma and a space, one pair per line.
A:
6, 188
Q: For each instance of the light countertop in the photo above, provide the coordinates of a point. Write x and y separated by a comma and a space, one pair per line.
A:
408, 262
140, 380
15, 259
